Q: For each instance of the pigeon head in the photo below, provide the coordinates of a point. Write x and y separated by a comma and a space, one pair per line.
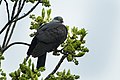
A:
58, 19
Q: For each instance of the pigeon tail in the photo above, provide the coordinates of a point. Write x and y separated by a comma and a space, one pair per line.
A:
41, 61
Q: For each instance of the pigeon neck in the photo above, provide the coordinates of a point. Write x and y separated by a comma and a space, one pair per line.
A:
55, 21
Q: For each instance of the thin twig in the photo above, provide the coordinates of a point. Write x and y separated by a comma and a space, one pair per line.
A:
20, 7
5, 38
6, 25
23, 43
57, 67
14, 9
27, 12
7, 8
11, 34
12, 20
12, 30
8, 29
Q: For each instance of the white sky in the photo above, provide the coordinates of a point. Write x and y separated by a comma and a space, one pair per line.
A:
101, 19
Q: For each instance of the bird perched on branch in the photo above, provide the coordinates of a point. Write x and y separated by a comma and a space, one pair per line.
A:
48, 37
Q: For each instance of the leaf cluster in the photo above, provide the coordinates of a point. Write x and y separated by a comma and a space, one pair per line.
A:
1, 57
3, 75
26, 71
45, 3
75, 44
64, 76
37, 21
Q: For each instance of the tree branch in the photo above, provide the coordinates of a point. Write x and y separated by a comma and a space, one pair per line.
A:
8, 29
57, 67
4, 49
9, 22
20, 7
12, 20
10, 34
5, 37
8, 13
28, 12
14, 8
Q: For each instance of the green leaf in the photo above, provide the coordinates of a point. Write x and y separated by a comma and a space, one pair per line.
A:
74, 36
63, 72
29, 62
80, 54
32, 16
3, 74
2, 58
12, 74
36, 77
69, 57
24, 62
70, 48
38, 74
32, 34
82, 32
17, 73
48, 12
75, 61
85, 50
68, 73
77, 76
46, 3
39, 19
43, 13
59, 74
74, 30
1, 51
33, 67
3, 78
0, 70
41, 69
22, 67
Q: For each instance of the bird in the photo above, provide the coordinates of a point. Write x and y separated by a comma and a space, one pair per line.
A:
48, 38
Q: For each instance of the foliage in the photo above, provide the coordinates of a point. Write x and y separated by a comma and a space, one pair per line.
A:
3, 74
73, 48
45, 3
64, 76
26, 71
75, 44
40, 20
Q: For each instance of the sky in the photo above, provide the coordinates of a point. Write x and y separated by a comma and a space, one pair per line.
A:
101, 19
